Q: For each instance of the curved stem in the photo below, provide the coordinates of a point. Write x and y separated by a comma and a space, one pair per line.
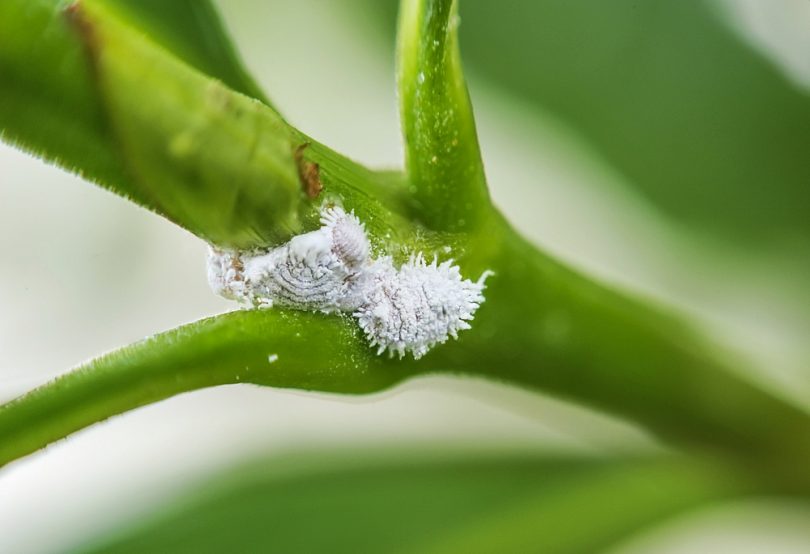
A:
555, 330
273, 348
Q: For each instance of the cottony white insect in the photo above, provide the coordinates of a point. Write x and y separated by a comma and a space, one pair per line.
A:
409, 309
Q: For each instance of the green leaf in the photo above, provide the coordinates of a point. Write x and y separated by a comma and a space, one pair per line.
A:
193, 32
321, 503
442, 157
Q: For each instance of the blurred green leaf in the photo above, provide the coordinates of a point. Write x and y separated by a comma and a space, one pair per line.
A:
694, 117
319, 503
193, 32
442, 157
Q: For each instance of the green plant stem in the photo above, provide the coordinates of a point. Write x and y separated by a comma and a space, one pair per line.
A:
222, 165
442, 156
542, 327
561, 333
273, 348
193, 32
82, 87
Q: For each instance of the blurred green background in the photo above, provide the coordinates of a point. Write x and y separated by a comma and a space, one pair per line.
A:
657, 145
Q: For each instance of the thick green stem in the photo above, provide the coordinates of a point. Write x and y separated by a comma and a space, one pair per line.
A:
554, 330
219, 163
111, 103
82, 87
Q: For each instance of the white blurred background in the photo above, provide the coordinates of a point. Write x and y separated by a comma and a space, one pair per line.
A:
83, 272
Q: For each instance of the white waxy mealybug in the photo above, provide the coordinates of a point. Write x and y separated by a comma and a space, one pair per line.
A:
321, 270
349, 241
419, 306
409, 309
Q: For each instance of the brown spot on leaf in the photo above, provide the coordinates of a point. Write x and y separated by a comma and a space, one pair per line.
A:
308, 172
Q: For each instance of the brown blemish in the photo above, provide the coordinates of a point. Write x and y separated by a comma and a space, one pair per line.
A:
76, 17
308, 172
